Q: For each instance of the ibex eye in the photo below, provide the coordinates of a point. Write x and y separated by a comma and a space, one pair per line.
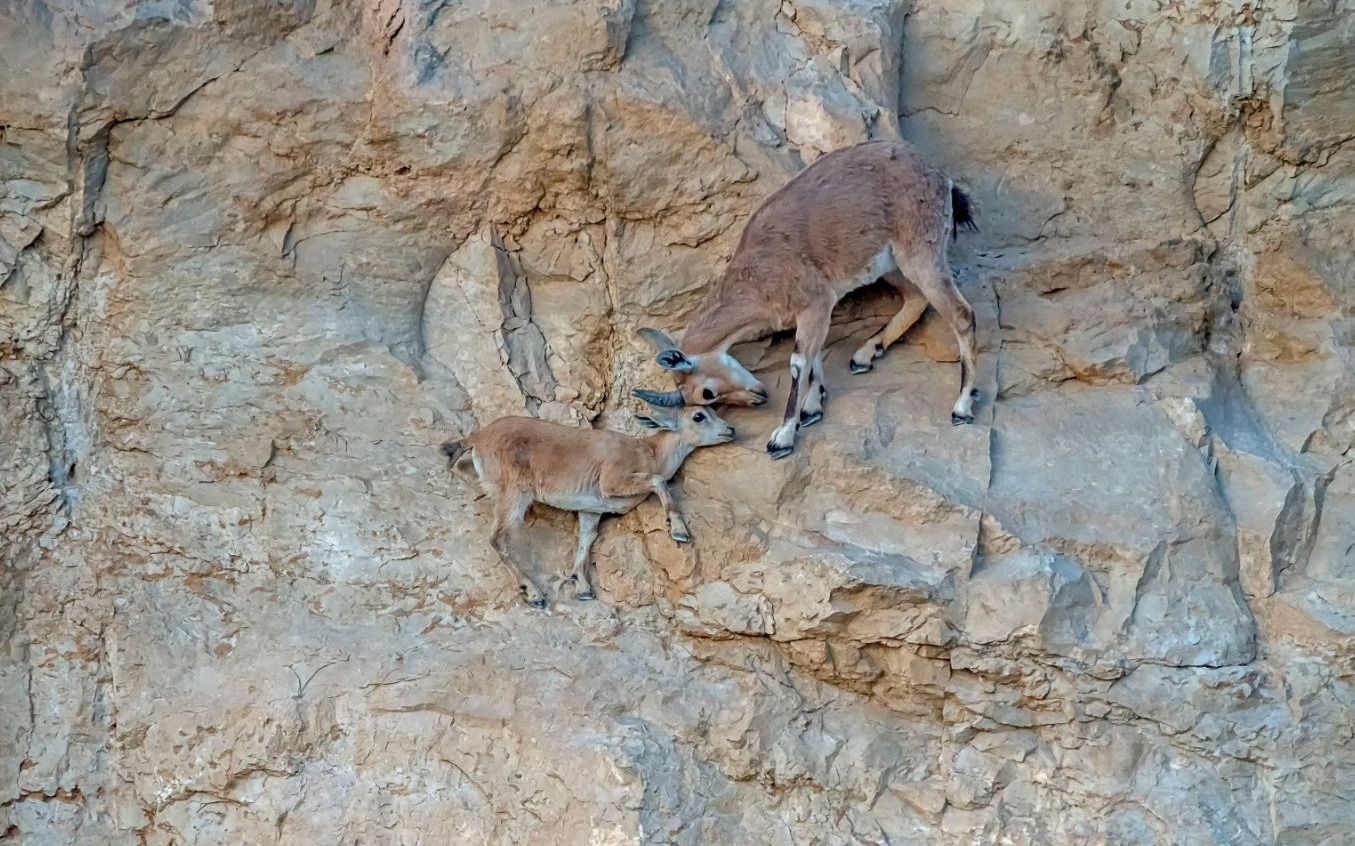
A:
698, 417
707, 394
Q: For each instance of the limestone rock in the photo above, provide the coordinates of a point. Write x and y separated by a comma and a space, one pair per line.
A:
258, 259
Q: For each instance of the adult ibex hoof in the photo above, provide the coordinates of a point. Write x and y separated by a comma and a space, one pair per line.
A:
810, 418
538, 601
779, 452
857, 368
585, 595
681, 535
960, 419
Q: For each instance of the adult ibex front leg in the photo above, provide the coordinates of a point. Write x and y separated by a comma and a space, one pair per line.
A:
811, 331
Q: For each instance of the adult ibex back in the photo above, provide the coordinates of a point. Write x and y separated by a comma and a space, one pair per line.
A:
853, 216
522, 460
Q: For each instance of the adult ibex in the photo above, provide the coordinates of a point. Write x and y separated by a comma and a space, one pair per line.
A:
522, 460
853, 216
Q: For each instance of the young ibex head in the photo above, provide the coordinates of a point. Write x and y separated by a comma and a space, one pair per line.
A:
702, 378
695, 427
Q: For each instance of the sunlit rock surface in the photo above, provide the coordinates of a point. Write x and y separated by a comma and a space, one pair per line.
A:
257, 259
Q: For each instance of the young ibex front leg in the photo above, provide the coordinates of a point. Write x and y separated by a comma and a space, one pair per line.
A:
811, 409
632, 485
677, 526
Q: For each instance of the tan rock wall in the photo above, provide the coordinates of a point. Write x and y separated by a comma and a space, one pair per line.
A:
257, 259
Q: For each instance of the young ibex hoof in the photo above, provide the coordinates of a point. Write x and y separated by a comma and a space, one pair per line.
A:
681, 535
779, 452
587, 591
960, 419
533, 598
857, 368
809, 419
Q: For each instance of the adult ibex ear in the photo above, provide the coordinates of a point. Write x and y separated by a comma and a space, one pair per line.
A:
660, 399
657, 338
654, 422
674, 360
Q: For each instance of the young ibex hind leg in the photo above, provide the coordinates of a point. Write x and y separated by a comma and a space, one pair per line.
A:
588, 532
509, 511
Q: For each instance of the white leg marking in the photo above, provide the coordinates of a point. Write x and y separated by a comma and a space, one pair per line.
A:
783, 436
813, 403
964, 406
865, 354
875, 346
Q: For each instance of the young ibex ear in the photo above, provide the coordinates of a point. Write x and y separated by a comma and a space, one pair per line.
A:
674, 360
655, 422
657, 338
660, 399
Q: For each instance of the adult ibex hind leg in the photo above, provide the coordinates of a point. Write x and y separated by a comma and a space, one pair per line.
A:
931, 273
914, 304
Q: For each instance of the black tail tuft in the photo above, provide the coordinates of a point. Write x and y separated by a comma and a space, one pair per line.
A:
962, 213
454, 450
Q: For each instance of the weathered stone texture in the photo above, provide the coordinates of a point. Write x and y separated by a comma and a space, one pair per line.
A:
258, 258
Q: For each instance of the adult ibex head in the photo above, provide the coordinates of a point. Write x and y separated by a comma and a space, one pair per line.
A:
704, 378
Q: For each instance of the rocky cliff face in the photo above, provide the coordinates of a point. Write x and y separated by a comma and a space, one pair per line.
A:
258, 257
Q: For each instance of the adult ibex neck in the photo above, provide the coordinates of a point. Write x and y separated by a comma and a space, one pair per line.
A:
720, 322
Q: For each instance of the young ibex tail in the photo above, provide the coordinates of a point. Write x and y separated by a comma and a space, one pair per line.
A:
855, 215
458, 456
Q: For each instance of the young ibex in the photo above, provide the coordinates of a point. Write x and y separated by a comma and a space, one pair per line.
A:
876, 209
521, 460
